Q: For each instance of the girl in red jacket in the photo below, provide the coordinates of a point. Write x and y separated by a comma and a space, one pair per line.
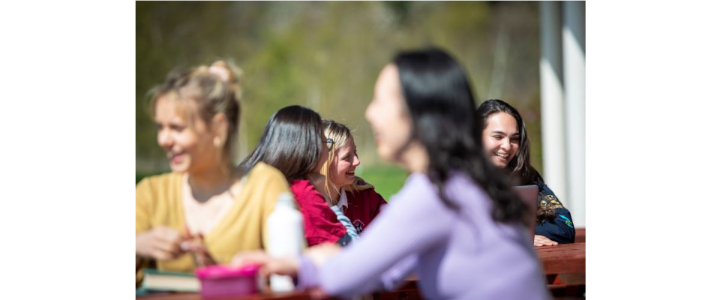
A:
346, 192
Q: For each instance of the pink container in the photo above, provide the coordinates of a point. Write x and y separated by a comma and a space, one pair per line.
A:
223, 281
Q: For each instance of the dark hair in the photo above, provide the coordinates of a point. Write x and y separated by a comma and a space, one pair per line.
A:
442, 108
519, 167
291, 142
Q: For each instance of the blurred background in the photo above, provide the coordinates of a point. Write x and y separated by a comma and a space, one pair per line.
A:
327, 55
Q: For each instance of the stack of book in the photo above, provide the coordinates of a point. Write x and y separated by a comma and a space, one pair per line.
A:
164, 281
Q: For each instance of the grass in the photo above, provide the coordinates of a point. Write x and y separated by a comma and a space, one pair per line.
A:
387, 179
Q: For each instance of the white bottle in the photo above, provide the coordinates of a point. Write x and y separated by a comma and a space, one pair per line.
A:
285, 237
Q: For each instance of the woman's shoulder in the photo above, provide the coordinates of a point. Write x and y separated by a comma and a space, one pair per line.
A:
544, 189
417, 185
154, 190
261, 173
309, 198
365, 195
301, 184
165, 180
303, 188
546, 197
361, 185
263, 181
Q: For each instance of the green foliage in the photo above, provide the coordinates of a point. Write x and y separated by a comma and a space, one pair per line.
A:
327, 55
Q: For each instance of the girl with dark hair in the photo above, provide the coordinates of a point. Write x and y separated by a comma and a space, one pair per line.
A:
467, 239
294, 143
508, 147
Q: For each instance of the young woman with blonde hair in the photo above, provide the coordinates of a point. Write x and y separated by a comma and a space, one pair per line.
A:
205, 210
348, 194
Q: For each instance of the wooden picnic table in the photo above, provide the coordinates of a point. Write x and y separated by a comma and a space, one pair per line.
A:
562, 258
196, 296
580, 235
563, 265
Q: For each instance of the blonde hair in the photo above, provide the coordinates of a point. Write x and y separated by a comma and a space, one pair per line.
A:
340, 134
206, 91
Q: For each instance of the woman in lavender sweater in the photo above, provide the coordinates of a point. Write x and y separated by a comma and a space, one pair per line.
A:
467, 240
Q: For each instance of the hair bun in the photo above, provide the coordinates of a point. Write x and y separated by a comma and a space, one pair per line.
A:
222, 70
228, 73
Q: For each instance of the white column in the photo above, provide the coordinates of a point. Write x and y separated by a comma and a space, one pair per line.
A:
574, 79
551, 98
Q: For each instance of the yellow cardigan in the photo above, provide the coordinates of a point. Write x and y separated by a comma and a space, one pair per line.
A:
159, 203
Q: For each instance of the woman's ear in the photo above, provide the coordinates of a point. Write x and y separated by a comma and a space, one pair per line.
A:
220, 129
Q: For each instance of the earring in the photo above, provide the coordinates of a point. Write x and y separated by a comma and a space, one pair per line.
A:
216, 142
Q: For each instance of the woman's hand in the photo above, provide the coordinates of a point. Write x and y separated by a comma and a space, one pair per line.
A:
268, 264
320, 253
195, 245
541, 240
160, 243
285, 265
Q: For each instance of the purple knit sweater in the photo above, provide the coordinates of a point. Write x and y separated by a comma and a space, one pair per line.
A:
455, 255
